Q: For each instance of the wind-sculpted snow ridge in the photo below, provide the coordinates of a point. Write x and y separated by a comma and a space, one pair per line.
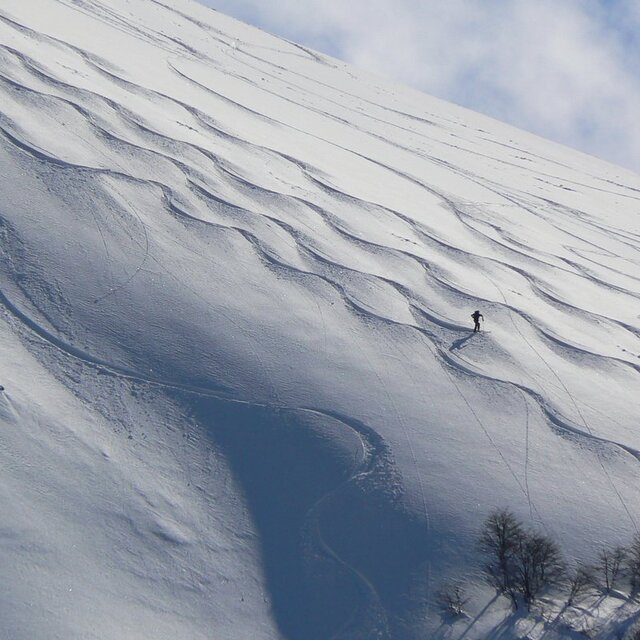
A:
243, 398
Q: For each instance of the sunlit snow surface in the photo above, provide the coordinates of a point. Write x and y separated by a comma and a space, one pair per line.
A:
243, 399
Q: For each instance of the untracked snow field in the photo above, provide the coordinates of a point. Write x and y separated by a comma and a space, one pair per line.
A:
242, 397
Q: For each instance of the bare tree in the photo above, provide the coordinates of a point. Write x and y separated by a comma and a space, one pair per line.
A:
499, 539
632, 564
579, 583
521, 563
538, 566
609, 567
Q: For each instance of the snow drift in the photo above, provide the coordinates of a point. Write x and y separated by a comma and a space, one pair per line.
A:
242, 394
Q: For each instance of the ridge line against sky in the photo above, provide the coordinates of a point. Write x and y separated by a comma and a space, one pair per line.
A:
568, 70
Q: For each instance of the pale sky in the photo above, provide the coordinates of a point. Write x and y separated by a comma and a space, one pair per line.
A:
568, 70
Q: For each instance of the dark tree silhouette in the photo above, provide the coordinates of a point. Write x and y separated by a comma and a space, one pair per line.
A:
538, 566
499, 539
520, 563
632, 564
608, 567
579, 584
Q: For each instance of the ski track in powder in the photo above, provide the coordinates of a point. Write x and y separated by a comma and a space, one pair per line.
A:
267, 240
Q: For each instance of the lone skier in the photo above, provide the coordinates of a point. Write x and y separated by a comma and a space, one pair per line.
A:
476, 315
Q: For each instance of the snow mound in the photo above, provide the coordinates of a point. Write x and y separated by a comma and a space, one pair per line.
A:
242, 393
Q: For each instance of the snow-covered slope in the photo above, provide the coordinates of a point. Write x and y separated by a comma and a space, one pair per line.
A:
242, 395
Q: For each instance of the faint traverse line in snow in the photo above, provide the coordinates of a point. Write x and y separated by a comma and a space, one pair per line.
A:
340, 91
45, 157
122, 372
210, 30
117, 23
359, 309
516, 202
626, 238
114, 288
526, 453
535, 286
484, 430
579, 253
516, 199
319, 111
522, 487
132, 209
414, 459
563, 425
361, 469
146, 248
427, 517
573, 401
555, 418
538, 172
319, 58
560, 164
346, 297
8, 411
94, 361
105, 246
307, 251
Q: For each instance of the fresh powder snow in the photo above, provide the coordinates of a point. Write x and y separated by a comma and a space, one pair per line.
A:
242, 393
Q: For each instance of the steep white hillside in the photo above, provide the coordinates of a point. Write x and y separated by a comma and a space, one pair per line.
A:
243, 399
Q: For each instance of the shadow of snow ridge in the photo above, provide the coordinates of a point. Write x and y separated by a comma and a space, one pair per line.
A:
340, 551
